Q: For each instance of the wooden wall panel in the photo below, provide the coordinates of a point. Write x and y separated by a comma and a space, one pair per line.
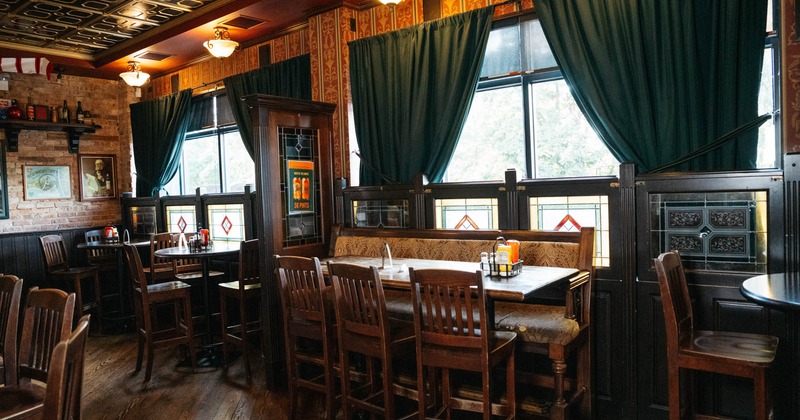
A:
790, 84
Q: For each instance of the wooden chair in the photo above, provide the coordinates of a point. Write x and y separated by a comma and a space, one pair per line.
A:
246, 289
308, 329
449, 336
104, 259
47, 320
10, 293
364, 328
145, 297
558, 329
62, 397
57, 267
721, 352
161, 269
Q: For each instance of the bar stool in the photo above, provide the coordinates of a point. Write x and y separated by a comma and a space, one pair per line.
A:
10, 294
246, 289
57, 267
728, 353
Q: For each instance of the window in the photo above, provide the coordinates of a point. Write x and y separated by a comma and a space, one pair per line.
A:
541, 131
214, 157
523, 115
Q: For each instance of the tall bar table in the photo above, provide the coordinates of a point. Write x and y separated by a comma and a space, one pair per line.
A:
781, 291
124, 314
219, 249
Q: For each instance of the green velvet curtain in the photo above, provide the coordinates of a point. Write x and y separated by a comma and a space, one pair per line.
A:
290, 78
661, 79
412, 90
158, 127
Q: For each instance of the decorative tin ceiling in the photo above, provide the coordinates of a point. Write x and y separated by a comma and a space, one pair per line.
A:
86, 27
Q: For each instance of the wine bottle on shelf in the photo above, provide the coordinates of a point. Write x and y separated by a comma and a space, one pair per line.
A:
65, 112
79, 114
29, 111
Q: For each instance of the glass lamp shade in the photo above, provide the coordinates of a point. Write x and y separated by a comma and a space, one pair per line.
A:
390, 3
135, 78
221, 48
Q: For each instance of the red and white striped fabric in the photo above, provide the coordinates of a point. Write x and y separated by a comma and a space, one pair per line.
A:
38, 65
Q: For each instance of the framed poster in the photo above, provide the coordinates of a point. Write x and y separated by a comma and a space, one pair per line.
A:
3, 183
46, 182
98, 177
300, 180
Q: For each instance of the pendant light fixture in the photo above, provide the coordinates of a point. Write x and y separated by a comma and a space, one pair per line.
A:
390, 3
221, 46
135, 77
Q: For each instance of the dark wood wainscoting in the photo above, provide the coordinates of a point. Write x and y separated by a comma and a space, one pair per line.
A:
21, 254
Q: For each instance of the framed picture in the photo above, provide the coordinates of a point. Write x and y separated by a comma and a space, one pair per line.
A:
3, 183
46, 182
98, 177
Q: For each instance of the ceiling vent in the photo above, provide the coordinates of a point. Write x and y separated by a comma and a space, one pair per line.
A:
154, 56
244, 22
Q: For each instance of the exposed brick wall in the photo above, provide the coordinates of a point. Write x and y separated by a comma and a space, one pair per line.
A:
107, 100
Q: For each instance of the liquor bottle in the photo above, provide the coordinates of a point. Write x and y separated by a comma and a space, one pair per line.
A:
79, 114
65, 113
54, 114
29, 111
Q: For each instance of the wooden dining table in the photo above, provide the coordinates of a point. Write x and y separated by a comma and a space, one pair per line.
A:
530, 281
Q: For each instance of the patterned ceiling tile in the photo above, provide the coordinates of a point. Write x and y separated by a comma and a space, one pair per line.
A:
86, 26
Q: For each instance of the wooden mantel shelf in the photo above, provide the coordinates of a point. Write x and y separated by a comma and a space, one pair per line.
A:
74, 131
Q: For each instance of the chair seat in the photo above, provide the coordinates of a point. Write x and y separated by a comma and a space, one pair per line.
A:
167, 286
197, 275
536, 323
21, 401
731, 347
75, 271
234, 285
501, 342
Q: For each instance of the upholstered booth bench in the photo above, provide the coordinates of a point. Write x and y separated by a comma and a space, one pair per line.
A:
555, 325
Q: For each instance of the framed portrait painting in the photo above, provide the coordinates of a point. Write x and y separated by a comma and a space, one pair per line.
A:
42, 182
98, 177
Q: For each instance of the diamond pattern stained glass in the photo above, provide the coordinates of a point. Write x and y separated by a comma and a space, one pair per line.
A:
570, 213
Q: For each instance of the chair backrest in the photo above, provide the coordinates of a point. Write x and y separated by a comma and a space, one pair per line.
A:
10, 293
141, 300
97, 255
161, 241
675, 300
55, 254
360, 302
248, 264
445, 312
65, 380
301, 287
185, 265
47, 320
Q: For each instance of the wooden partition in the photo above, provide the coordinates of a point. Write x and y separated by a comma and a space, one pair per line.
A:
294, 199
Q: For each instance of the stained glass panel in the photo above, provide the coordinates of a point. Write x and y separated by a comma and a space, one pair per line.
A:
380, 213
713, 231
570, 213
299, 144
466, 213
226, 222
181, 219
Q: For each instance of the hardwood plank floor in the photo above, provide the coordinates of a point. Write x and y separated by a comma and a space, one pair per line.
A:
112, 391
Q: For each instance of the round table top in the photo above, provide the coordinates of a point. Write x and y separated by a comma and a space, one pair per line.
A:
219, 248
107, 244
777, 290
